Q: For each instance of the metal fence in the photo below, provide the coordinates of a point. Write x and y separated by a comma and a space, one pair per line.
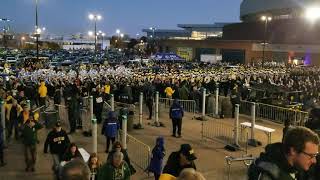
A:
85, 115
139, 152
39, 114
275, 113
187, 105
63, 116
221, 131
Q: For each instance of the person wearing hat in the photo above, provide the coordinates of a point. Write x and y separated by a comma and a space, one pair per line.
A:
29, 136
177, 161
58, 142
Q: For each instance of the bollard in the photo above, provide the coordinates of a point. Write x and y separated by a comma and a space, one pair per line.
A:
157, 109
91, 107
124, 129
112, 102
236, 127
217, 102
253, 141
140, 109
3, 122
94, 136
28, 104
204, 104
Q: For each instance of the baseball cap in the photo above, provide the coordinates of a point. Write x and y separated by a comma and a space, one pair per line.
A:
187, 151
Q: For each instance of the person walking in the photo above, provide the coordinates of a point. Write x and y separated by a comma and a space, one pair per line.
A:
177, 161
158, 153
110, 129
29, 135
74, 112
58, 142
42, 93
176, 114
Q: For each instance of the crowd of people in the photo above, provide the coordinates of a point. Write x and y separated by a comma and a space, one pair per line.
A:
174, 81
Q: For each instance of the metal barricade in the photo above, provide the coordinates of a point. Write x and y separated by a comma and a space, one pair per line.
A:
275, 113
187, 105
280, 114
139, 152
85, 116
221, 131
39, 114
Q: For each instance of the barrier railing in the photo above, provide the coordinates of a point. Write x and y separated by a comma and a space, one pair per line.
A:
85, 115
187, 105
221, 131
139, 152
39, 113
275, 113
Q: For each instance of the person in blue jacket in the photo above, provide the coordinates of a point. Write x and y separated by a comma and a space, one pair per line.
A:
110, 129
176, 115
156, 162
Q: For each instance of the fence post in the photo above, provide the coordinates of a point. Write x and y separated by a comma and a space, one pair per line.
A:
3, 122
112, 102
203, 103
236, 127
253, 141
157, 109
140, 109
217, 102
124, 128
91, 107
94, 135
28, 104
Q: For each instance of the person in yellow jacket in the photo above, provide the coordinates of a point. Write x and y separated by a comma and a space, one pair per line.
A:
167, 177
169, 91
42, 93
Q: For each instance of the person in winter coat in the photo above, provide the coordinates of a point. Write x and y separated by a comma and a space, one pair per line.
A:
158, 154
42, 93
71, 153
110, 129
94, 165
58, 142
74, 112
14, 119
287, 160
2, 163
118, 147
177, 161
117, 169
29, 139
176, 114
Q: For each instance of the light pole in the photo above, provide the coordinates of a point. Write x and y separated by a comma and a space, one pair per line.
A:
152, 29
95, 18
37, 30
4, 31
266, 19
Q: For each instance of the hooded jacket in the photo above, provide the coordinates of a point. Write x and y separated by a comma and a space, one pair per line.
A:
176, 111
158, 154
273, 165
111, 125
42, 90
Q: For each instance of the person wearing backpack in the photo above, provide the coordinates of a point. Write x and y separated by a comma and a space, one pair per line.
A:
176, 115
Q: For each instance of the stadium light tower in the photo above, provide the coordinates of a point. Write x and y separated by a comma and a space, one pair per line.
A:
312, 13
266, 20
95, 18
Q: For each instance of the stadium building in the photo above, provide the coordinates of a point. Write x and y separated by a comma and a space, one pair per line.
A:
270, 30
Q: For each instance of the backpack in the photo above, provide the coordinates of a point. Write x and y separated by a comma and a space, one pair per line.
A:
176, 113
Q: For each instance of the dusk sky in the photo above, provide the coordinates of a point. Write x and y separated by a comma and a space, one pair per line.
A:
130, 16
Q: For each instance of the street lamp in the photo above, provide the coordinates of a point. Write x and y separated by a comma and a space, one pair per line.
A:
266, 19
4, 30
152, 29
95, 18
312, 13
37, 34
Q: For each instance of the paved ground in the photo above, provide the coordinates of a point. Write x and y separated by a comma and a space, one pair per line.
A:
211, 154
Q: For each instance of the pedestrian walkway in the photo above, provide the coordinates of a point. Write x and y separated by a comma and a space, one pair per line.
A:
211, 154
